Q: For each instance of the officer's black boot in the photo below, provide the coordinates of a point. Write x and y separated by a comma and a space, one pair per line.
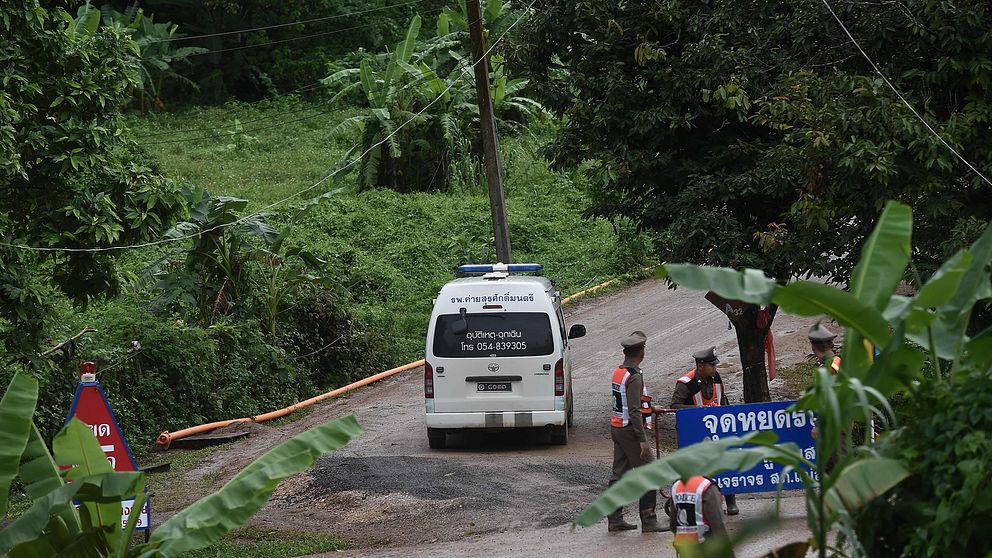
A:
732, 504
649, 520
650, 524
615, 522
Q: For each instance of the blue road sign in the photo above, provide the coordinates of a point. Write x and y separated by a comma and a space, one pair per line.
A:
699, 423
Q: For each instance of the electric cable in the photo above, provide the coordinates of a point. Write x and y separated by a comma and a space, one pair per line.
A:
160, 241
278, 25
901, 98
270, 43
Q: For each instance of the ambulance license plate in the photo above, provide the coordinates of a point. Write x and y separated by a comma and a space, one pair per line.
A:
493, 386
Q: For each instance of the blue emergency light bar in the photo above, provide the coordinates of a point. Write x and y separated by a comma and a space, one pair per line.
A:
504, 268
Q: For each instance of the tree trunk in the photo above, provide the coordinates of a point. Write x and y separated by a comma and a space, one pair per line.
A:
750, 342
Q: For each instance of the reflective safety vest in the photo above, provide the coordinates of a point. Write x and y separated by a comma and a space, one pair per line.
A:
697, 390
691, 526
621, 407
835, 365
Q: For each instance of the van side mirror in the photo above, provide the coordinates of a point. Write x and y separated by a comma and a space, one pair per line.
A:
576, 331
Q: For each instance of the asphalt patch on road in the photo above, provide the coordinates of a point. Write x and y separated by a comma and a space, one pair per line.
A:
545, 493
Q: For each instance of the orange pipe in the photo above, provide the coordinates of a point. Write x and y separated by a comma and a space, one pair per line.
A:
166, 438
335, 392
602, 285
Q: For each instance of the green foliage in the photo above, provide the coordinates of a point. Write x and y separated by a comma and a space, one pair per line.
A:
755, 135
70, 176
54, 527
255, 542
275, 60
854, 475
943, 507
418, 132
389, 254
216, 274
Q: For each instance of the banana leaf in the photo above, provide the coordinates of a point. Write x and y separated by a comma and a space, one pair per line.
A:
884, 257
16, 410
207, 520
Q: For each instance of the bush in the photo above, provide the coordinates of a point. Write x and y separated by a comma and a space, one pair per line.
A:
945, 506
183, 375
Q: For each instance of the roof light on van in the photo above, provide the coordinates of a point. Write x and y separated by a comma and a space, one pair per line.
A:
500, 268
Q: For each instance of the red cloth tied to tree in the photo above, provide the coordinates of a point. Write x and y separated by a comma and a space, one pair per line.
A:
763, 321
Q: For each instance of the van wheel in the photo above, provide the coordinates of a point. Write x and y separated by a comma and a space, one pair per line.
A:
437, 438
559, 435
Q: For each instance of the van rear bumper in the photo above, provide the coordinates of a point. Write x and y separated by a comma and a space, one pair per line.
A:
505, 419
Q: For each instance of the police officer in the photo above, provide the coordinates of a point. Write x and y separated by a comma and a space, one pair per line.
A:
694, 512
703, 387
821, 340
630, 441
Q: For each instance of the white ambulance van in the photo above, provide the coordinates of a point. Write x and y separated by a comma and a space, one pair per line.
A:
498, 355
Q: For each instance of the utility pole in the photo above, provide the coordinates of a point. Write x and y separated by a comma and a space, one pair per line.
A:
490, 142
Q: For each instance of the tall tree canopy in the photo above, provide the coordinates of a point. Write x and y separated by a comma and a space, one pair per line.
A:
70, 176
754, 134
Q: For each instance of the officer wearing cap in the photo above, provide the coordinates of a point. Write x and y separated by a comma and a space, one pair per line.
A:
821, 340
631, 409
703, 387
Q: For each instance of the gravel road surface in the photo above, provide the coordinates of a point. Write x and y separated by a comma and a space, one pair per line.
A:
505, 494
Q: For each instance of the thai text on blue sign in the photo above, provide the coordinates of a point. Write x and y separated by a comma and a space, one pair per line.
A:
699, 423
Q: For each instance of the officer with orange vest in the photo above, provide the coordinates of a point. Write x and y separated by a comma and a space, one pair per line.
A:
631, 411
694, 512
821, 340
703, 387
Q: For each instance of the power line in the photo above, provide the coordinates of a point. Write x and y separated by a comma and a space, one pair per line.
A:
270, 43
901, 98
330, 174
278, 25
230, 128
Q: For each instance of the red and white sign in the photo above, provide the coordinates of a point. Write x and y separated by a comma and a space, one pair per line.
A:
90, 406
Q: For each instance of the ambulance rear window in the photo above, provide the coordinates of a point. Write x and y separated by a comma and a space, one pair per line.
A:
508, 334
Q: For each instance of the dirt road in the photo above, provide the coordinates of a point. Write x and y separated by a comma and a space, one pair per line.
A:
501, 494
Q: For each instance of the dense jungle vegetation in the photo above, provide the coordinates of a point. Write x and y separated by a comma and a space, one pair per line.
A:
255, 201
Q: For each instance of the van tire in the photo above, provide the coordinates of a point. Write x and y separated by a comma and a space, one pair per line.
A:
437, 438
559, 435
570, 403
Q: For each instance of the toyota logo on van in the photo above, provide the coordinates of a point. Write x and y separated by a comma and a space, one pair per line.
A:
493, 367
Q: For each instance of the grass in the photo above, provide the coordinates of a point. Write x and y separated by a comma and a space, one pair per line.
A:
162, 486
391, 252
797, 379
263, 162
255, 542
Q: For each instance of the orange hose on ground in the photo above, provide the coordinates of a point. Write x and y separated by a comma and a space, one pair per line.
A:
166, 438
602, 285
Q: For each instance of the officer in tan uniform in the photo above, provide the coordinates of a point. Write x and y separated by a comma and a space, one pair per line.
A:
703, 387
821, 341
694, 513
630, 440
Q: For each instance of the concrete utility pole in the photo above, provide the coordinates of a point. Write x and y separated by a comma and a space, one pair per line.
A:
490, 142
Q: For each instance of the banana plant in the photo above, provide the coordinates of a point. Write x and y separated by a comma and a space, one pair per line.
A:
155, 52
873, 317
53, 526
422, 113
